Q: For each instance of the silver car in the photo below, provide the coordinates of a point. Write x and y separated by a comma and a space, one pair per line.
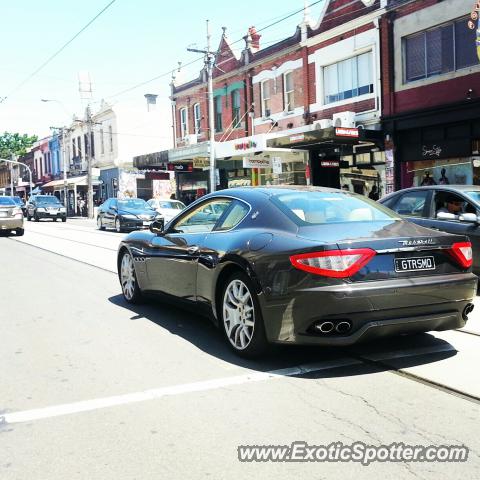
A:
168, 208
11, 216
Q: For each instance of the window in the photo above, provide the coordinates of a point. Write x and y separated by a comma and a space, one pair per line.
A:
183, 122
203, 218
92, 145
79, 146
218, 113
236, 108
197, 116
317, 208
265, 94
102, 142
288, 92
442, 49
110, 133
74, 148
349, 78
235, 215
411, 204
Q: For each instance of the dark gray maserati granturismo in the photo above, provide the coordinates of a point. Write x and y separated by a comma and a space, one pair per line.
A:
301, 265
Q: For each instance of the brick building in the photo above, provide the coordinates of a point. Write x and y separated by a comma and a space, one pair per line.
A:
277, 108
431, 90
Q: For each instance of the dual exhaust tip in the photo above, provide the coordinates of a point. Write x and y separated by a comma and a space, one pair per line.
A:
329, 327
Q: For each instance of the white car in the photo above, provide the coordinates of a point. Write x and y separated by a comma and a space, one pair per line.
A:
167, 208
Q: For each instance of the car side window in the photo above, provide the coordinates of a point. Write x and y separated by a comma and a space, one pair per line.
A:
411, 204
203, 218
453, 204
233, 217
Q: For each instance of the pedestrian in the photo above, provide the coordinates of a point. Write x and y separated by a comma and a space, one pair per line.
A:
427, 180
173, 196
373, 195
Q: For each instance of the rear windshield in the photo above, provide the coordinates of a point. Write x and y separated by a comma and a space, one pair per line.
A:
6, 201
50, 200
318, 208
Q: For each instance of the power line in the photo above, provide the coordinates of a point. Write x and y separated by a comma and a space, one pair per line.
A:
46, 62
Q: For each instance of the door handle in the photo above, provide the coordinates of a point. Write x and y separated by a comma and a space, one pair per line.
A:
193, 250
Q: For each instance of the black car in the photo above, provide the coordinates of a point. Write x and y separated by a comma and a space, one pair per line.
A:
449, 208
127, 214
301, 265
46, 206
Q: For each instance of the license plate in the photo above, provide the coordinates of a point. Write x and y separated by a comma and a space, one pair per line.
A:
53, 213
3, 214
146, 224
414, 264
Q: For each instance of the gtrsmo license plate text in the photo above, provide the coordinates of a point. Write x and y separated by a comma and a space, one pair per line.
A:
414, 264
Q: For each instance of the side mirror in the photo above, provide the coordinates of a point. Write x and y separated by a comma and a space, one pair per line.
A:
114, 207
157, 226
468, 217
446, 216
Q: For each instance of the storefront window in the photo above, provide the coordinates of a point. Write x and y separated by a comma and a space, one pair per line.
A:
455, 171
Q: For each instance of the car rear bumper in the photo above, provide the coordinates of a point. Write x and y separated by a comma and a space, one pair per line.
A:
11, 223
372, 309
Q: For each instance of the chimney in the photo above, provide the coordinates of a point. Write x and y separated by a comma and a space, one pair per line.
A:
255, 44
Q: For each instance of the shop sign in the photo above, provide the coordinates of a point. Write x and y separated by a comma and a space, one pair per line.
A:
277, 164
330, 163
430, 151
180, 167
245, 145
346, 132
474, 23
157, 176
201, 162
261, 162
297, 138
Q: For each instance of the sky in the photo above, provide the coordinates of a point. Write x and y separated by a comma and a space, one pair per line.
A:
132, 42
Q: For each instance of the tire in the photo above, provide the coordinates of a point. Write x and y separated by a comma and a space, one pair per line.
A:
64, 219
19, 232
128, 279
100, 223
35, 217
245, 335
118, 226
29, 218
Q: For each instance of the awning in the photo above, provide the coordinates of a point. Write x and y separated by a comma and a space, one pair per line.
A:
79, 181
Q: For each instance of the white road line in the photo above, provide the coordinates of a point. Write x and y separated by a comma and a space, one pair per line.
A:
95, 404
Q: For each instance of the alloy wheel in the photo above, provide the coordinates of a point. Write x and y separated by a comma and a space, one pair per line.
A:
238, 314
118, 226
127, 276
99, 223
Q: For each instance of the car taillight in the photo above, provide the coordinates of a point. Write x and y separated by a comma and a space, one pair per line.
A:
333, 263
462, 253
17, 211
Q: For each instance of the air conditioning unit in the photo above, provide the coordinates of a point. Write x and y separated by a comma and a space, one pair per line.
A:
344, 119
324, 123
191, 139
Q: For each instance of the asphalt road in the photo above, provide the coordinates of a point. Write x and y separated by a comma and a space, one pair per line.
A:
92, 388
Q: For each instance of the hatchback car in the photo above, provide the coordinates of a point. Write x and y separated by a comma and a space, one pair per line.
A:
449, 208
301, 265
127, 214
168, 208
11, 216
46, 206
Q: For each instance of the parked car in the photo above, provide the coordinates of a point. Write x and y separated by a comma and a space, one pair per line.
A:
301, 265
19, 201
46, 206
168, 208
128, 214
430, 206
11, 216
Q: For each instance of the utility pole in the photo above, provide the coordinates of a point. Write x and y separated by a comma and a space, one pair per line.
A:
209, 59
88, 145
64, 162
11, 174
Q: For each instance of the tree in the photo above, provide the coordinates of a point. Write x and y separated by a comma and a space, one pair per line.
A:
15, 143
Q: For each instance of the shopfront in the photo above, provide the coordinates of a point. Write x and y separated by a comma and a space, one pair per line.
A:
251, 162
348, 158
443, 154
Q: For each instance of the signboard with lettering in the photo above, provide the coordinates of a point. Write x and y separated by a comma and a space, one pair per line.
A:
180, 167
330, 164
277, 164
297, 138
346, 132
260, 162
201, 162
